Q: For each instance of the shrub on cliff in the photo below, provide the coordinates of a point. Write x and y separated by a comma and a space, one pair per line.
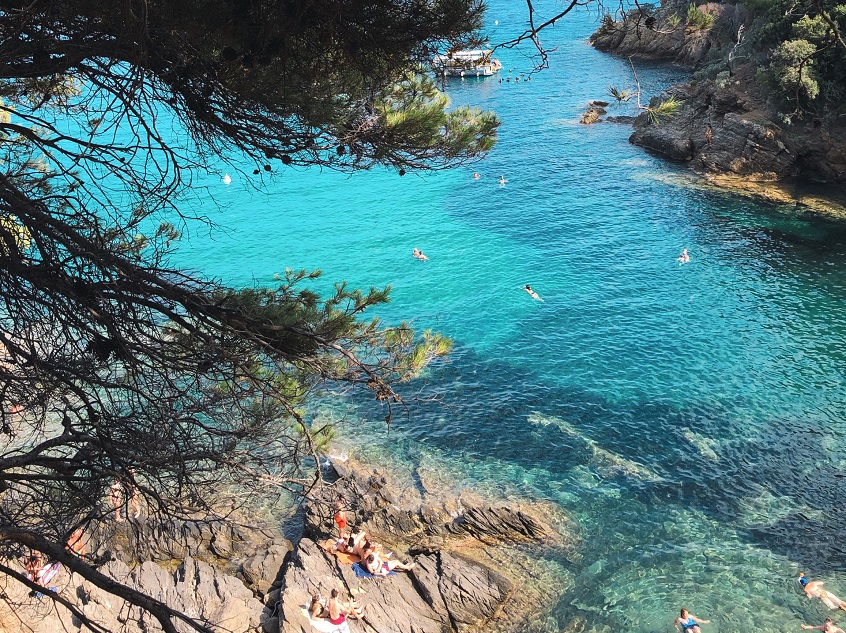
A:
699, 20
805, 39
792, 67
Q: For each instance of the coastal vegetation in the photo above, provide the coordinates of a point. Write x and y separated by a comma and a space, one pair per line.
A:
119, 372
766, 71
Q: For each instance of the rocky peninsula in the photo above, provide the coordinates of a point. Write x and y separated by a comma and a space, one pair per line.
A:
729, 122
474, 566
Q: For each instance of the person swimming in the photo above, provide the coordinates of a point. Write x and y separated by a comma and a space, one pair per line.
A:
684, 258
476, 175
502, 180
813, 589
689, 622
418, 254
828, 626
532, 293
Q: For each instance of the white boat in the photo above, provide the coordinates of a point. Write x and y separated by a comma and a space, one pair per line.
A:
478, 63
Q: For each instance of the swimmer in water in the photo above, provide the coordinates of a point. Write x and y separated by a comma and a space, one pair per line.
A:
502, 180
684, 258
813, 589
689, 622
419, 255
532, 293
476, 175
828, 627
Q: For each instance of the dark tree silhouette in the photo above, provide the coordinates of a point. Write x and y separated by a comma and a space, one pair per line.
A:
118, 372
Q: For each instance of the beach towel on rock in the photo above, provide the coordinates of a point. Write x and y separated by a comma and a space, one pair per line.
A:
361, 572
328, 546
325, 626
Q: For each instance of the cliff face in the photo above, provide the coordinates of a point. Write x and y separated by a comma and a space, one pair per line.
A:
725, 125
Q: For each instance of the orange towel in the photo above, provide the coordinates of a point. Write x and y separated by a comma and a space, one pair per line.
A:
328, 546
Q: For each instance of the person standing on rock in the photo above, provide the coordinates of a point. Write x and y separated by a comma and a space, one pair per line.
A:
133, 496
709, 135
341, 517
116, 497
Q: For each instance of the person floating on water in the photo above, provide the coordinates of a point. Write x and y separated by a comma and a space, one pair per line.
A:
689, 622
502, 180
684, 258
813, 589
418, 254
476, 175
532, 293
828, 627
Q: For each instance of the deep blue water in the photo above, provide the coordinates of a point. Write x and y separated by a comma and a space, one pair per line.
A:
690, 417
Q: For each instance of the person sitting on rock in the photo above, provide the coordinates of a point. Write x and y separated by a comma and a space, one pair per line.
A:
378, 567
353, 545
368, 547
340, 611
317, 609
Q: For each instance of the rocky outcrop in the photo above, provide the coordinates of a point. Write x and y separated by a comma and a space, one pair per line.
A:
443, 592
254, 556
195, 588
451, 587
664, 34
726, 128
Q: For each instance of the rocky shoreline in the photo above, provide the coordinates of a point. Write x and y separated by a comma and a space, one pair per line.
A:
725, 128
476, 567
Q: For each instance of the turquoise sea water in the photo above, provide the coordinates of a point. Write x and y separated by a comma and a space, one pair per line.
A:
690, 417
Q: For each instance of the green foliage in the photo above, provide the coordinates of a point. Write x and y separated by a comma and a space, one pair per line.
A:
792, 68
620, 96
664, 110
673, 21
698, 20
813, 29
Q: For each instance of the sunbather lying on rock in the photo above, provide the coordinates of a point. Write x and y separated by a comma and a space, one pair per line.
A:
379, 567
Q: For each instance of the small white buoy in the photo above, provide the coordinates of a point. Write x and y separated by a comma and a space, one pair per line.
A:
496, 21
227, 179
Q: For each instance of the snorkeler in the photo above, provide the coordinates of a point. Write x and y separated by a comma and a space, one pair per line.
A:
689, 622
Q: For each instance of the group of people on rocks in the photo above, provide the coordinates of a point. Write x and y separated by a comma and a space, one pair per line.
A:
373, 558
40, 570
689, 623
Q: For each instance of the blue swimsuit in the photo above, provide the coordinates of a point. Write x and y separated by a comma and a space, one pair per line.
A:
689, 624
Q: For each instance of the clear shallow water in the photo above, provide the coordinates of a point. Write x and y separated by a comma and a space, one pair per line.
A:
690, 417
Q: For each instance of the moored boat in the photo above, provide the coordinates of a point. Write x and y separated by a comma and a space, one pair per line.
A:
474, 63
